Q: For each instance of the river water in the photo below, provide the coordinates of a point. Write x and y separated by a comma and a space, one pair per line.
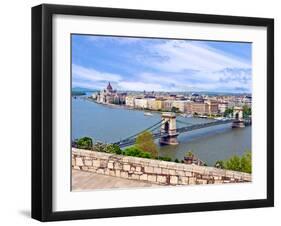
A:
110, 124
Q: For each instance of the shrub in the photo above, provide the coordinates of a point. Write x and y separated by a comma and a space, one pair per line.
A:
113, 148
84, 143
236, 163
246, 162
135, 151
100, 147
176, 160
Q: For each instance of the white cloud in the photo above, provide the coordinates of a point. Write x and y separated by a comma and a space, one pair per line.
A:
172, 65
79, 72
186, 55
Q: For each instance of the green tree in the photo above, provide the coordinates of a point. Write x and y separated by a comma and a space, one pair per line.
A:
246, 162
247, 111
228, 112
85, 143
242, 164
145, 142
233, 163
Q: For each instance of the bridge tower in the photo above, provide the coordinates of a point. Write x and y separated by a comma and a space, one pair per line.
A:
238, 118
169, 129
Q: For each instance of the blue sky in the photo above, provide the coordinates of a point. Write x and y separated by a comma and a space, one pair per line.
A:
160, 64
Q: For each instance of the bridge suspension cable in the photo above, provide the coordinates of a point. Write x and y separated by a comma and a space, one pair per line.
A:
132, 136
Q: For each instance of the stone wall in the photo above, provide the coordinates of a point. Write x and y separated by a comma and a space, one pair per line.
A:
154, 171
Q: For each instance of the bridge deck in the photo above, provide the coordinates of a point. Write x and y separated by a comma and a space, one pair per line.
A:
158, 135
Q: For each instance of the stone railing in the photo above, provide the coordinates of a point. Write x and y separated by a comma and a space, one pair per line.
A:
154, 171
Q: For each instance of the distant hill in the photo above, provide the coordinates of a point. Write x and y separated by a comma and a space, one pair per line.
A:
81, 89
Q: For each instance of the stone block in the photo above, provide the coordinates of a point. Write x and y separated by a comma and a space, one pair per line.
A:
100, 171
138, 168
151, 178
117, 173
157, 170
102, 163
143, 177
148, 169
79, 161
165, 171
124, 174
180, 173
188, 174
126, 167
96, 163
172, 172
77, 167
73, 161
117, 166
201, 181
205, 177
135, 176
110, 165
191, 180
163, 164
174, 180
88, 163
161, 179
184, 180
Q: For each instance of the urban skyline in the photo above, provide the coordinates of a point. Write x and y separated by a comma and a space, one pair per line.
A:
160, 65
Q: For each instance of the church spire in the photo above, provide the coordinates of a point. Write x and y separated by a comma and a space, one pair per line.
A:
109, 87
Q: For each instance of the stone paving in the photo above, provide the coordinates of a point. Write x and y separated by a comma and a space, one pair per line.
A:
82, 181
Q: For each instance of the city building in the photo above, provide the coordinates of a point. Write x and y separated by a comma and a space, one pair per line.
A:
181, 105
110, 96
141, 103
222, 107
212, 107
130, 101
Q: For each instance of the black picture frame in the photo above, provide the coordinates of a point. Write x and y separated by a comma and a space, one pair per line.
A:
42, 111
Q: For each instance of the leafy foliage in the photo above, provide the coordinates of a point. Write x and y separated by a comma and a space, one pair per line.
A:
247, 111
246, 162
189, 154
134, 151
107, 148
228, 112
84, 143
236, 163
145, 142
233, 163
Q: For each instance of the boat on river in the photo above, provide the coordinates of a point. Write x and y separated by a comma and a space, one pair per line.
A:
147, 114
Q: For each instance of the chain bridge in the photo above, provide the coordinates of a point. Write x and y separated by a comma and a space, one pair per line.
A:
166, 129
